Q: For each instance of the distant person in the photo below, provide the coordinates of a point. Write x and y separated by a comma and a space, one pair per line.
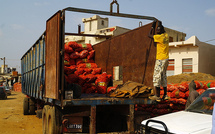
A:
161, 39
6, 82
11, 81
193, 94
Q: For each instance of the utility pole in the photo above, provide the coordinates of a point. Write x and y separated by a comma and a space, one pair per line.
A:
4, 64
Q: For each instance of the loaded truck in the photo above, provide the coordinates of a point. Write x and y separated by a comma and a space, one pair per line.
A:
43, 79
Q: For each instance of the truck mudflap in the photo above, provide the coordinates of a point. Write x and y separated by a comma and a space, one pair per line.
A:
145, 129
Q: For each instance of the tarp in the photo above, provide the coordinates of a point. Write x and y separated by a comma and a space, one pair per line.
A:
131, 90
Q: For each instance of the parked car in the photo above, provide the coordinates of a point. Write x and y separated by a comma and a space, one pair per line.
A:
196, 119
8, 91
3, 94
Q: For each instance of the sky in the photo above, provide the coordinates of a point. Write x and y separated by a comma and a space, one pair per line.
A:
22, 22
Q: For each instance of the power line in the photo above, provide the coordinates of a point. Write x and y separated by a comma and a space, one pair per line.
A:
210, 40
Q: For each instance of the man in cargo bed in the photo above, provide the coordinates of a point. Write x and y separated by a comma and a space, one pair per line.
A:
161, 40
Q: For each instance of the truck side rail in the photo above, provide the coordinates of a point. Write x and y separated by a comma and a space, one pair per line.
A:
32, 68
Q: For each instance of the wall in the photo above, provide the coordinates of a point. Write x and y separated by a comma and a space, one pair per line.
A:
183, 52
177, 36
207, 58
94, 23
3, 70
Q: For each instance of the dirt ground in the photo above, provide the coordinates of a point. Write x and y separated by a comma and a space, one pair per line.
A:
12, 120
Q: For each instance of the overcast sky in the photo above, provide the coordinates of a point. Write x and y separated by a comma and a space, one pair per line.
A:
23, 21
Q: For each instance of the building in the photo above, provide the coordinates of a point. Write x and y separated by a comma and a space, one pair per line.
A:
99, 26
3, 69
191, 56
7, 69
175, 36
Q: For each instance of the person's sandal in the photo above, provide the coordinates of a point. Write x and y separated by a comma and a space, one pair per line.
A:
166, 97
158, 99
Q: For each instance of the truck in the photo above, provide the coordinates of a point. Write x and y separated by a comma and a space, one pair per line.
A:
43, 80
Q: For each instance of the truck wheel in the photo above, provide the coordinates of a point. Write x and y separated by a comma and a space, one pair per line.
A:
39, 113
32, 107
53, 120
25, 106
44, 118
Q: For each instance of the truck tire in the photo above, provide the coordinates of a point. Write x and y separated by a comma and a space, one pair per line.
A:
26, 106
53, 121
32, 107
45, 118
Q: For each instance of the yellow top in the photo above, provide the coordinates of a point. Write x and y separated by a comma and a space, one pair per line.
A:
162, 46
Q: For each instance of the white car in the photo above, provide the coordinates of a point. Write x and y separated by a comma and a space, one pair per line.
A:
196, 119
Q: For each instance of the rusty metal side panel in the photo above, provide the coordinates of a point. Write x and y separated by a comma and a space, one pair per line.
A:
52, 53
134, 51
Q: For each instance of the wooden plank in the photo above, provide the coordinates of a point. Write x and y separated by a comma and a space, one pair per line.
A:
93, 120
130, 120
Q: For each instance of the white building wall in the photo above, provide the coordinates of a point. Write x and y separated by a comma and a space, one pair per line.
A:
180, 53
87, 27
3, 70
94, 25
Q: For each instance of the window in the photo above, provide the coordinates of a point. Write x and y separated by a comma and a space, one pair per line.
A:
187, 66
171, 67
103, 22
90, 26
170, 39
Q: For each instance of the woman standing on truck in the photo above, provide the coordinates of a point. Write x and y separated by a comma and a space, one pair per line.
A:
161, 40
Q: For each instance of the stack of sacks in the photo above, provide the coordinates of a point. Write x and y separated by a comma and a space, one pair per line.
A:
153, 110
80, 68
17, 87
179, 93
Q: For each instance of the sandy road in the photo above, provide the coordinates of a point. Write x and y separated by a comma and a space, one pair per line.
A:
12, 120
